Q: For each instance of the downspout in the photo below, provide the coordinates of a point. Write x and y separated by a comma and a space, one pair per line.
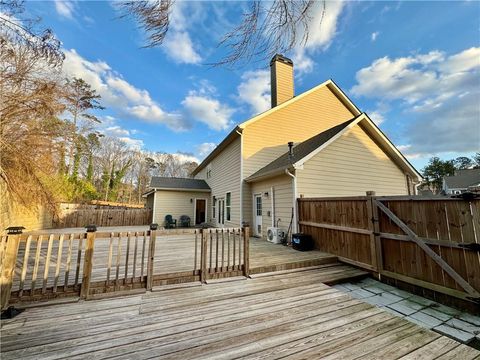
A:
241, 176
154, 205
294, 227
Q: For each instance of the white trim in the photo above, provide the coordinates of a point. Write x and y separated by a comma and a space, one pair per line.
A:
331, 86
181, 189
230, 206
254, 214
272, 202
154, 206
241, 177
195, 210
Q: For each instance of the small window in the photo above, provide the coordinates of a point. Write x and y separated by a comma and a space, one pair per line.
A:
214, 204
228, 204
259, 205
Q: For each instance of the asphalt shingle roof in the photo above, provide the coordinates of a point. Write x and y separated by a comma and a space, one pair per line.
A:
301, 150
178, 183
463, 179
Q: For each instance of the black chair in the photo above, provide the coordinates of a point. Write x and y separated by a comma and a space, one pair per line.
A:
170, 222
184, 221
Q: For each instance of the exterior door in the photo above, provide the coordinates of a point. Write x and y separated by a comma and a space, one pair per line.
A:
258, 215
221, 212
200, 211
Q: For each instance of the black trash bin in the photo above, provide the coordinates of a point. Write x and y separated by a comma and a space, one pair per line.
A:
302, 242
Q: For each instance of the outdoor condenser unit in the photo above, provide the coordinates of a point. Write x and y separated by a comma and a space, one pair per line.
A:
275, 235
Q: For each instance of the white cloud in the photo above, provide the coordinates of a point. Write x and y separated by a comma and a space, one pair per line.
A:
120, 95
178, 44
204, 108
135, 144
179, 47
374, 35
376, 116
254, 90
65, 8
322, 29
205, 148
439, 93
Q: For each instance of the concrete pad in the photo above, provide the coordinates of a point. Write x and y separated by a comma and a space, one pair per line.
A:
418, 322
410, 304
430, 321
401, 293
360, 294
380, 300
385, 286
402, 309
421, 300
374, 289
435, 313
459, 335
351, 286
341, 287
464, 326
472, 319
393, 312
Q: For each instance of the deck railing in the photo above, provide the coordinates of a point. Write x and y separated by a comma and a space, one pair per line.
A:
43, 266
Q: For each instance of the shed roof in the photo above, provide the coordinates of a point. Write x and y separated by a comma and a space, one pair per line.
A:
463, 179
159, 182
300, 151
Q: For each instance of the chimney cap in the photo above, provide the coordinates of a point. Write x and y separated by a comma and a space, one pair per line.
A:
281, 58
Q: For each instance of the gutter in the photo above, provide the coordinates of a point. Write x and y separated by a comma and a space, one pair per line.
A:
294, 177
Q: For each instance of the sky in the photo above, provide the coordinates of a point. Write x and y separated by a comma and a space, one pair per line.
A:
413, 66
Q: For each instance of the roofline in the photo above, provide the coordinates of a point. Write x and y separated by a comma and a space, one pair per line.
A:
232, 135
225, 142
329, 83
362, 117
176, 189
394, 148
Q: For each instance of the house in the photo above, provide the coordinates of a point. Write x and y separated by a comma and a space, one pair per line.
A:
315, 144
462, 181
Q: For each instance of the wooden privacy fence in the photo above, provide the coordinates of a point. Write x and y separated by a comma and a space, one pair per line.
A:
428, 242
103, 217
37, 267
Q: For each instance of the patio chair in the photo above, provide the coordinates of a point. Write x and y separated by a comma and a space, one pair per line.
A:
170, 222
184, 221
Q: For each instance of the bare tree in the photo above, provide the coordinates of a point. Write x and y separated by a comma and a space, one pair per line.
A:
266, 29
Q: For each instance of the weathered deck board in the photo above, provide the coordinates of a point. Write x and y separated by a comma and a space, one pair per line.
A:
291, 315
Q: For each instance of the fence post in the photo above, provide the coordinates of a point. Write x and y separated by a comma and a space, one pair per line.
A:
88, 261
151, 255
375, 241
246, 251
203, 256
8, 264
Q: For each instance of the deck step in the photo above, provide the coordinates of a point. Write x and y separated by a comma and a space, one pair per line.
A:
299, 269
294, 265
176, 286
228, 279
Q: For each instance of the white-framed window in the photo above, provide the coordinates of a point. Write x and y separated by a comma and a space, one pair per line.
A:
228, 204
209, 171
214, 206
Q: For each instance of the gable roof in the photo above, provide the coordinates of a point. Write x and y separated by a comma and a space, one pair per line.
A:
463, 179
330, 84
309, 148
300, 151
171, 183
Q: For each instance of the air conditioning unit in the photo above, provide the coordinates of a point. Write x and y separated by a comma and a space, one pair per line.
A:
275, 235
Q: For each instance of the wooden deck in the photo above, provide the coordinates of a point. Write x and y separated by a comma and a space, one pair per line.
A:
290, 315
174, 254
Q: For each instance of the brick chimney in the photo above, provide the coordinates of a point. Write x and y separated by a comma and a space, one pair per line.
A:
281, 79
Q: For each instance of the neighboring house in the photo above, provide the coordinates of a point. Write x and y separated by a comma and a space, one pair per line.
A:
463, 181
255, 177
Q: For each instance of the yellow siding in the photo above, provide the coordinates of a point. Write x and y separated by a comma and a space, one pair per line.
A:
351, 165
225, 177
282, 81
282, 197
176, 203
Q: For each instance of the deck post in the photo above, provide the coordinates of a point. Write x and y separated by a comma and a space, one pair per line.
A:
246, 251
203, 255
151, 256
8, 265
88, 262
374, 226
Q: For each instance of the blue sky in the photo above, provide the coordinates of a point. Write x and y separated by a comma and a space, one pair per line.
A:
413, 66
